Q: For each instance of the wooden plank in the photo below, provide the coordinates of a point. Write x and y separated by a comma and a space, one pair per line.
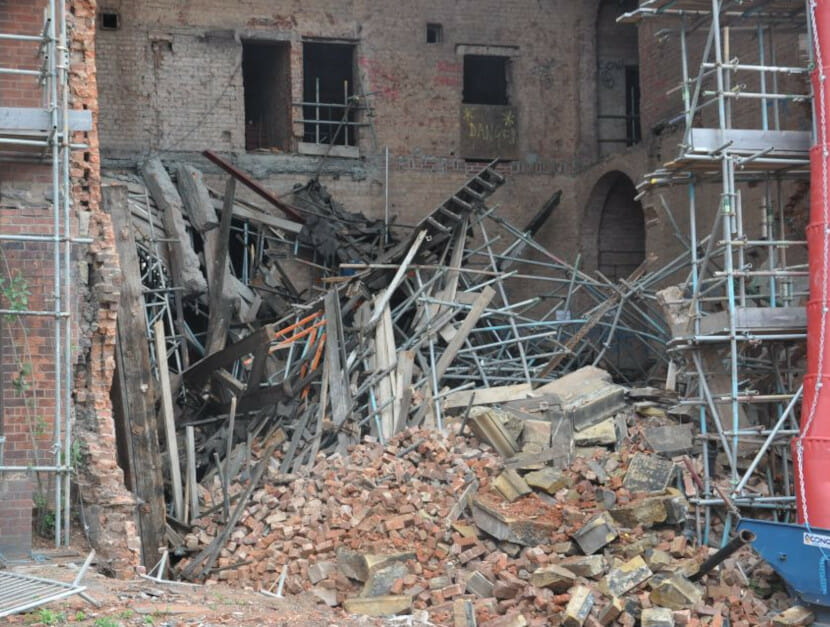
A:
488, 396
169, 419
192, 483
338, 383
470, 321
184, 262
403, 391
383, 299
196, 198
136, 421
244, 212
219, 304
385, 360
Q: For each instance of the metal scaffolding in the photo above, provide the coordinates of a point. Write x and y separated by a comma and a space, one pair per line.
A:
43, 135
739, 318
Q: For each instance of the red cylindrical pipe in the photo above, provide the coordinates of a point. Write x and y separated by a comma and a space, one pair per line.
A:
812, 466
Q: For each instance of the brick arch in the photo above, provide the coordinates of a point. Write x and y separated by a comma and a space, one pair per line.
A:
613, 237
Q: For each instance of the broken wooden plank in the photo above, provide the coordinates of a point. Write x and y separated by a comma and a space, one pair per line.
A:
192, 483
183, 259
383, 300
385, 361
196, 198
169, 419
218, 301
137, 423
403, 391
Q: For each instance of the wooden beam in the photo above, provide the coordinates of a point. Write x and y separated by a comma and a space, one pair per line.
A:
196, 198
169, 419
253, 186
184, 263
136, 421
219, 304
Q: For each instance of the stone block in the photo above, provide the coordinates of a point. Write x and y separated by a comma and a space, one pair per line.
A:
511, 485
657, 617
553, 576
588, 566
502, 525
671, 440
676, 593
479, 585
611, 612
548, 480
579, 605
601, 434
379, 606
627, 576
648, 473
586, 396
596, 533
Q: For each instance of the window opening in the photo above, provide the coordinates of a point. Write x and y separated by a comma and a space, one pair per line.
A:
435, 33
110, 20
633, 132
266, 81
329, 106
485, 80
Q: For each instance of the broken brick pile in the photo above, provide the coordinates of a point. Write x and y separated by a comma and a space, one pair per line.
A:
430, 524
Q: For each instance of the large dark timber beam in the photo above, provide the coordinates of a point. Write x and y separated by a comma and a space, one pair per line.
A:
258, 189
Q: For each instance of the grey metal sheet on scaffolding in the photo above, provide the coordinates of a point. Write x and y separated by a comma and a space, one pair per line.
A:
19, 592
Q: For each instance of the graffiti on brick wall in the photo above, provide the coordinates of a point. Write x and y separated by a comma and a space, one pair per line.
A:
378, 79
420, 161
544, 71
448, 74
489, 131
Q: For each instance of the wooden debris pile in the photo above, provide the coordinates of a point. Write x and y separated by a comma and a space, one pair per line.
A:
327, 326
442, 526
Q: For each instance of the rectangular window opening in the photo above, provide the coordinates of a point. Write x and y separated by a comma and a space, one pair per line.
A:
435, 33
266, 79
633, 133
330, 111
110, 20
486, 80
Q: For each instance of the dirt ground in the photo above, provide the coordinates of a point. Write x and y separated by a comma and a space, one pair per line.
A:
125, 603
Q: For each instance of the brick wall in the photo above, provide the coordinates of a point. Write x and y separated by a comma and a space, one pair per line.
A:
27, 343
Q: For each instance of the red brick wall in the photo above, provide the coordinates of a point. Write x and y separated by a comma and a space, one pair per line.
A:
28, 342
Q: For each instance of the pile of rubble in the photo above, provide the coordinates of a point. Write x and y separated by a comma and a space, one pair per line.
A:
556, 509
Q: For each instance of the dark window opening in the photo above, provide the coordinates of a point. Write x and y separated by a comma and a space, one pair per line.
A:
266, 79
110, 20
435, 33
329, 106
485, 80
633, 132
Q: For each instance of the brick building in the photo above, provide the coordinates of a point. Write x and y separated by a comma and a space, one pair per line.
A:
565, 96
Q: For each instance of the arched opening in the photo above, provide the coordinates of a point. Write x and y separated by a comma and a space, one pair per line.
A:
621, 238
613, 241
618, 79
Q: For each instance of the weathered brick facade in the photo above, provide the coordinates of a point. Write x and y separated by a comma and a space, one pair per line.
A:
28, 358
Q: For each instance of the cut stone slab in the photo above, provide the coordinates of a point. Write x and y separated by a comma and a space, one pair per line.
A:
509, 620
519, 528
658, 560
648, 473
671, 440
360, 566
627, 576
677, 593
379, 606
511, 485
486, 424
645, 512
536, 434
588, 566
320, 571
552, 576
596, 533
600, 434
795, 616
586, 396
657, 617
579, 606
381, 580
548, 480
479, 585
